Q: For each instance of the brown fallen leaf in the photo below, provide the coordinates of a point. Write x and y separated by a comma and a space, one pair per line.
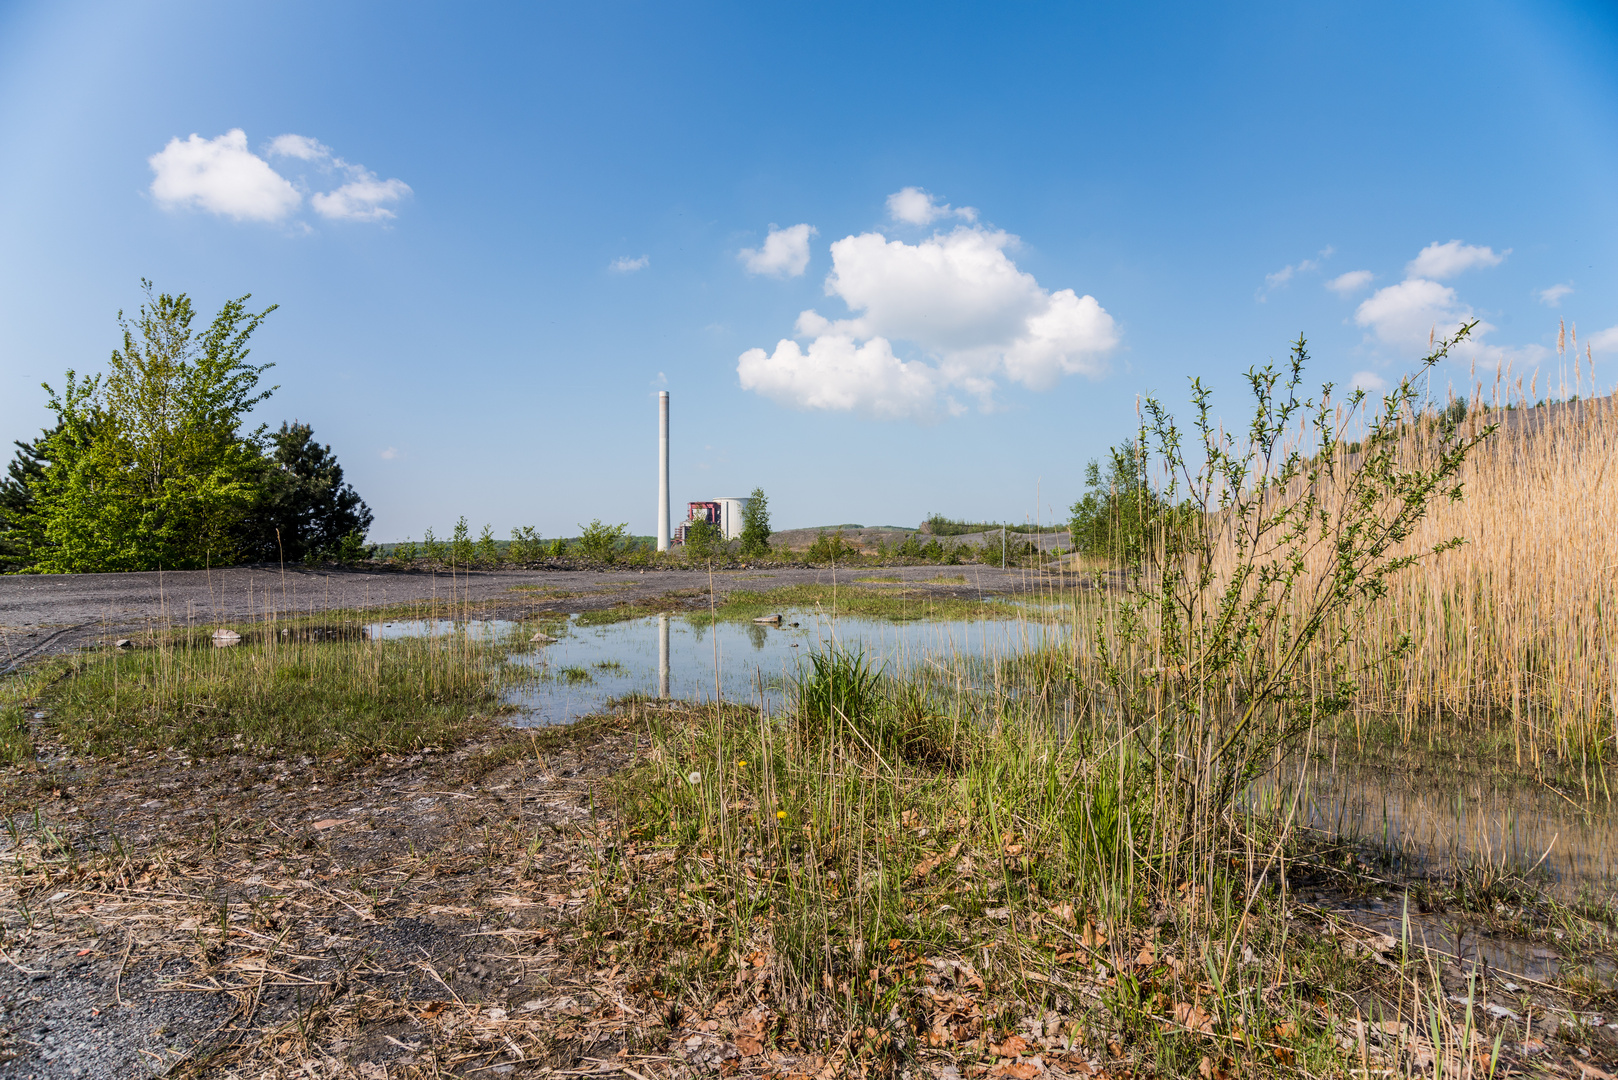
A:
329, 823
1193, 1017
1016, 1046
748, 1046
1092, 937
927, 866
1064, 912
1146, 957
1022, 1070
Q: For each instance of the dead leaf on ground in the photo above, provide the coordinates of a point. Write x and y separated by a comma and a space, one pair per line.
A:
1016, 1046
1193, 1017
927, 866
329, 823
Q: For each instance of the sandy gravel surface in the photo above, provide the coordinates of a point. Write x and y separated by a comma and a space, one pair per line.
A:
44, 614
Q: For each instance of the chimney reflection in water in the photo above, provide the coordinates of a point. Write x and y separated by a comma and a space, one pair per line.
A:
662, 656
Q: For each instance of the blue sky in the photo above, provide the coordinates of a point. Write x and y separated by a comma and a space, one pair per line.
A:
498, 230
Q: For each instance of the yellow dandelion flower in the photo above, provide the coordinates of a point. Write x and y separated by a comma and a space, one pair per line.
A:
780, 815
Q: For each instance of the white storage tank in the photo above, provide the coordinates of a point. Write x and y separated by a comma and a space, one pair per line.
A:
730, 517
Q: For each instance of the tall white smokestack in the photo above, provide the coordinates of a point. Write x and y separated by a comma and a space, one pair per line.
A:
662, 470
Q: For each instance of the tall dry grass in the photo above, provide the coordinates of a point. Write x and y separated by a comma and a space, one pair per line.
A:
1521, 622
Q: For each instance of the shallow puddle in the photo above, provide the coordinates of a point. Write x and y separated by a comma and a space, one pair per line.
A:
1460, 937
751, 663
1431, 814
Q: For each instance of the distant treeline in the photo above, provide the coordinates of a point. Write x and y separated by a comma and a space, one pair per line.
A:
939, 525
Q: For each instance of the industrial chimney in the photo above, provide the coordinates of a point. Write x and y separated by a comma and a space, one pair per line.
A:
662, 470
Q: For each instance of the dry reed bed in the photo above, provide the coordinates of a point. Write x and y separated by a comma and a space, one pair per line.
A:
1521, 621
1517, 627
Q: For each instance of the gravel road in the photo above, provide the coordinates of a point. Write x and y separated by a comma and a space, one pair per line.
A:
45, 614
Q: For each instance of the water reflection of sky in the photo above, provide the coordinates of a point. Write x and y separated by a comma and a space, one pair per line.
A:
754, 662
590, 665
1425, 813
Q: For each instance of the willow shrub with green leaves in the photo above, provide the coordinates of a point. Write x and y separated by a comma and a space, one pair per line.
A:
1264, 550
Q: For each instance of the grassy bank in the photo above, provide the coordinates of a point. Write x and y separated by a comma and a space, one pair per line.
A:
871, 600
900, 873
323, 690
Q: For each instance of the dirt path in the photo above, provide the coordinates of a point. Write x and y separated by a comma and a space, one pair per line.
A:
46, 614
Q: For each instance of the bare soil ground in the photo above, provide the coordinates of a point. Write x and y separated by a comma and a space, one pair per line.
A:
47, 614
243, 918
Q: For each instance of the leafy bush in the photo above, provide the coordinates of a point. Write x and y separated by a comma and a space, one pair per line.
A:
830, 549
600, 542
525, 546
702, 540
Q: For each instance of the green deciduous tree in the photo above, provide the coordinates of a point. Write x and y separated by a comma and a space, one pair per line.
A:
756, 524
148, 466
1112, 518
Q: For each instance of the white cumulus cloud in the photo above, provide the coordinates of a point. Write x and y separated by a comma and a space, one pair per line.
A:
1348, 284
1604, 341
785, 252
221, 176
1552, 297
1404, 315
957, 297
1440, 261
913, 206
361, 199
623, 264
301, 147
1369, 381
837, 373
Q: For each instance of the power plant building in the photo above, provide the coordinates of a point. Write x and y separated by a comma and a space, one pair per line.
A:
726, 513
